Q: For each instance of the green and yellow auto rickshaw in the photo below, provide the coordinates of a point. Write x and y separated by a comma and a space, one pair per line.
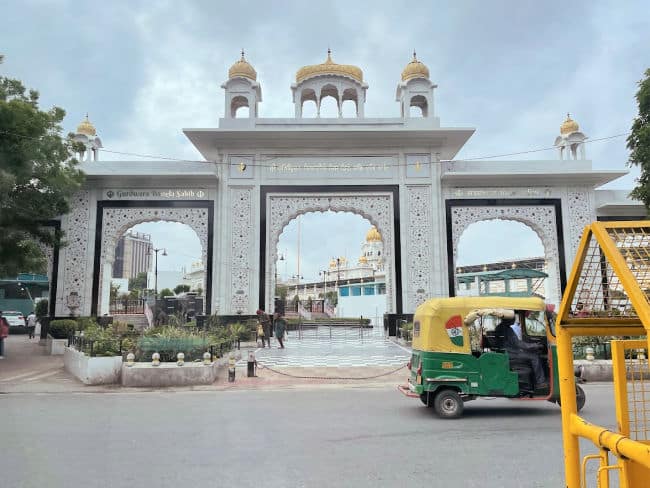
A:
459, 353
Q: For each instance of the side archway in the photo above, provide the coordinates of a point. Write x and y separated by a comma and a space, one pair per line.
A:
114, 221
544, 220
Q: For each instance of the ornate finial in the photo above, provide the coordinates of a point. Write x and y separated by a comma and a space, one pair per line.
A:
415, 57
329, 54
242, 54
568, 115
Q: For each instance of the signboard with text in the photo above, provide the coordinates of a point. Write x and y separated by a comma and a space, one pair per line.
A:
155, 194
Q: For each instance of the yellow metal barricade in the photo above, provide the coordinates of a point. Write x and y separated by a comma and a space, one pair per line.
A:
608, 295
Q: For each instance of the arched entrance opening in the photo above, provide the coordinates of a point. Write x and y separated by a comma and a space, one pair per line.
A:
379, 205
156, 259
116, 218
331, 265
542, 216
500, 257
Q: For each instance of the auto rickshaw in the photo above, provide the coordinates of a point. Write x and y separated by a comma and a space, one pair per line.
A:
457, 357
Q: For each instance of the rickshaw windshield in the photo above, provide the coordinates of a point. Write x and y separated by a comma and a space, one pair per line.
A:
534, 323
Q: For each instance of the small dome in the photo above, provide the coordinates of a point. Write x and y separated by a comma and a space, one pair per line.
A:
363, 260
329, 67
415, 69
86, 128
569, 126
373, 235
242, 68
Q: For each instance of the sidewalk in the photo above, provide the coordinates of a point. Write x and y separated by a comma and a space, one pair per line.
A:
27, 369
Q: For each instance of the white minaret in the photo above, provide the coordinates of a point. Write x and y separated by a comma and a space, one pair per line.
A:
86, 134
571, 142
415, 89
242, 89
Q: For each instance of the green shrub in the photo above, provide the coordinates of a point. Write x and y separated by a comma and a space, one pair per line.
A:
84, 322
239, 332
104, 341
62, 329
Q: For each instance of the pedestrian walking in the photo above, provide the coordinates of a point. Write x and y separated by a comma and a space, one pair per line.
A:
264, 327
31, 324
4, 333
280, 326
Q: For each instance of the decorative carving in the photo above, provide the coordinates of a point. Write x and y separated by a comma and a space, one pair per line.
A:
580, 214
241, 242
418, 256
540, 218
376, 207
116, 221
76, 252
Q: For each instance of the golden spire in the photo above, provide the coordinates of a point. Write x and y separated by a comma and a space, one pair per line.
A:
86, 127
242, 68
329, 67
569, 125
415, 69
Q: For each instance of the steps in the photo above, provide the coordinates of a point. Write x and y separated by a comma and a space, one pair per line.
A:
139, 321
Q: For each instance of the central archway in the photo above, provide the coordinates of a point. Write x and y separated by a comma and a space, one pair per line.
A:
377, 204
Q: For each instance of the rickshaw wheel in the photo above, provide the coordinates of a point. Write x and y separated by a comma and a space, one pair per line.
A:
581, 398
448, 404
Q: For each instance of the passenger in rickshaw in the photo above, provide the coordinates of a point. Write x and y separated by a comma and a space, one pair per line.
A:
518, 350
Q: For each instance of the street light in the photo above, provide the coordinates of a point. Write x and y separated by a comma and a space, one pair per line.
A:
164, 253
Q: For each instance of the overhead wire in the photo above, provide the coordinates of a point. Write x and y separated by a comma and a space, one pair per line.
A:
248, 163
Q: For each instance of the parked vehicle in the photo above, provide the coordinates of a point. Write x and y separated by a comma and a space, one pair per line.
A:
459, 355
14, 318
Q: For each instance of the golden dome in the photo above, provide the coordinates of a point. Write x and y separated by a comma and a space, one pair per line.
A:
569, 126
329, 67
242, 68
415, 69
373, 235
363, 260
86, 128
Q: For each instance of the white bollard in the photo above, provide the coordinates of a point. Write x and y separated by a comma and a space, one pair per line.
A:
180, 359
207, 358
589, 353
155, 359
130, 359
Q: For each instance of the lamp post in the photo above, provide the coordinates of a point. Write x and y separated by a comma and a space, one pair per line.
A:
164, 253
281, 258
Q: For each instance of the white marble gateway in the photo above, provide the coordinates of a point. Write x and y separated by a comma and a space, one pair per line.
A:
260, 173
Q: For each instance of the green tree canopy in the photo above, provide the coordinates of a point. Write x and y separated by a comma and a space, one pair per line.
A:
181, 289
38, 176
139, 282
638, 142
166, 292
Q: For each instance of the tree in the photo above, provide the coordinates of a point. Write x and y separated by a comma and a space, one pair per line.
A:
38, 176
199, 291
332, 297
181, 289
139, 282
638, 142
166, 292
115, 289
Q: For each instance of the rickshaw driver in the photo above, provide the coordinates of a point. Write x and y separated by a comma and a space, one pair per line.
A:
508, 341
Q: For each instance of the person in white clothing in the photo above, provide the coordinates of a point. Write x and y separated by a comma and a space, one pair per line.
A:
31, 324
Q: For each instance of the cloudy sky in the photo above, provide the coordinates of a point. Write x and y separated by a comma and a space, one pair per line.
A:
145, 70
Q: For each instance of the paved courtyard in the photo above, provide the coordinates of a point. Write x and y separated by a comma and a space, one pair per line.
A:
332, 347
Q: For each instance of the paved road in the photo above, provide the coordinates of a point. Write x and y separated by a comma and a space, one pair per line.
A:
320, 437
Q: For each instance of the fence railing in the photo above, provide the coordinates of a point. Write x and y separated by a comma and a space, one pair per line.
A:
94, 348
126, 306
